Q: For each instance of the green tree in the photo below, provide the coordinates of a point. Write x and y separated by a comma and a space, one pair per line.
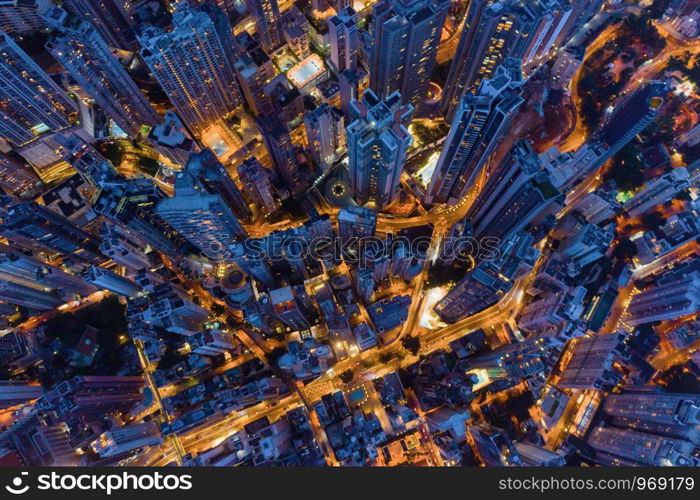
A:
520, 404
218, 309
385, 357
683, 194
411, 343
625, 249
347, 376
275, 354
652, 221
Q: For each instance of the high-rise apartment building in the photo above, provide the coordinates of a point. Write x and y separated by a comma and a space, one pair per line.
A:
17, 178
352, 85
515, 192
252, 81
31, 225
127, 438
172, 139
490, 280
648, 409
92, 396
493, 31
406, 37
22, 269
291, 306
257, 185
377, 139
552, 22
91, 63
477, 127
590, 363
204, 219
625, 447
677, 297
631, 116
266, 14
325, 133
279, 145
657, 191
194, 64
215, 179
356, 222
22, 16
124, 252
104, 278
131, 206
111, 18
342, 31
31, 103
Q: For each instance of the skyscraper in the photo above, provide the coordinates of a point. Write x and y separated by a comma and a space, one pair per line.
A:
42, 445
342, 30
657, 191
516, 191
253, 265
493, 30
406, 37
356, 222
377, 141
486, 284
91, 63
628, 118
203, 219
111, 19
94, 168
31, 225
267, 20
22, 16
24, 270
648, 409
172, 139
30, 101
624, 447
104, 278
257, 185
291, 306
677, 297
339, 5
295, 29
251, 80
17, 178
215, 179
325, 133
556, 16
14, 392
194, 64
477, 127
123, 252
92, 395
21, 295
127, 438
228, 7
66, 284
352, 85
590, 365
278, 142
131, 206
